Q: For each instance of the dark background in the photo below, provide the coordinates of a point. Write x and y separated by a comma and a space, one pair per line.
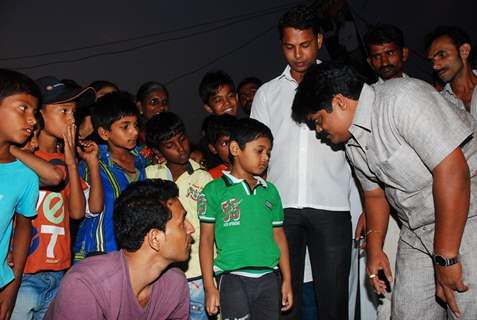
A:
239, 37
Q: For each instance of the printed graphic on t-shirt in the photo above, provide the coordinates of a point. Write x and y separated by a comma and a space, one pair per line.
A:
193, 191
231, 212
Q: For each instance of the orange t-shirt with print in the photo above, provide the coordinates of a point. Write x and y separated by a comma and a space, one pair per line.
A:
50, 248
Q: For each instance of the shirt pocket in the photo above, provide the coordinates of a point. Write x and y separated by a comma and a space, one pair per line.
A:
404, 170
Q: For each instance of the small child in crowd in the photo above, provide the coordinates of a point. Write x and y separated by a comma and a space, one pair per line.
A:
242, 214
166, 133
19, 98
217, 133
217, 91
115, 119
50, 250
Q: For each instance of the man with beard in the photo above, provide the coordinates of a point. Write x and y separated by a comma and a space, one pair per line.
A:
448, 49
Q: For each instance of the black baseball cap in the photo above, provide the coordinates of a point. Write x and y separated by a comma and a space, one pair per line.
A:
54, 91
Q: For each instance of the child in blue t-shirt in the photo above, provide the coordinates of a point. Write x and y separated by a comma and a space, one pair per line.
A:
19, 98
115, 120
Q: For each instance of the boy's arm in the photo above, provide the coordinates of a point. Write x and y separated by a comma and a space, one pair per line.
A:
21, 245
90, 154
48, 173
284, 263
76, 200
206, 257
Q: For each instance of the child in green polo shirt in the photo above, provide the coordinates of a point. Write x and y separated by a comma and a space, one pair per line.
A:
243, 215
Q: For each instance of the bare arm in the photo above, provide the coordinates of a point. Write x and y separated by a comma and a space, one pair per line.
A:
76, 201
89, 154
284, 263
451, 190
206, 257
21, 245
48, 173
377, 218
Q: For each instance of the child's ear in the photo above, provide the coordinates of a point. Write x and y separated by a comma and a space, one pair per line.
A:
208, 109
103, 133
212, 148
234, 148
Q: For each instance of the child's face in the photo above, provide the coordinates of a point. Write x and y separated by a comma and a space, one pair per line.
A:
85, 128
224, 101
221, 148
57, 117
123, 133
156, 102
253, 159
17, 114
104, 91
176, 150
32, 143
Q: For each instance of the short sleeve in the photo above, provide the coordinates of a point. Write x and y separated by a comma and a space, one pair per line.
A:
27, 203
277, 207
207, 206
259, 109
430, 124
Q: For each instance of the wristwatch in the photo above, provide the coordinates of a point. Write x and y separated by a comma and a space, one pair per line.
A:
445, 262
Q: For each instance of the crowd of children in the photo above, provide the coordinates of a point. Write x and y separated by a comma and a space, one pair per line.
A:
70, 151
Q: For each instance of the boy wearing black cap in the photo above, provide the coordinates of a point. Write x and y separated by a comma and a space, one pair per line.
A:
50, 250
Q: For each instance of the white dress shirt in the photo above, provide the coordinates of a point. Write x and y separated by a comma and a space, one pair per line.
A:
307, 172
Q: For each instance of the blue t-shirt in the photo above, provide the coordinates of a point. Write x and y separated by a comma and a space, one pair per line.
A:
97, 233
18, 193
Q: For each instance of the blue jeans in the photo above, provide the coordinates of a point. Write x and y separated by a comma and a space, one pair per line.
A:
36, 292
197, 300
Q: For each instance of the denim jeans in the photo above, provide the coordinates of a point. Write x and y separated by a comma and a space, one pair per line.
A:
197, 300
36, 292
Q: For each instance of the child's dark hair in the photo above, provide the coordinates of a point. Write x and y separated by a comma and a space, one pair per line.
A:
247, 130
219, 126
12, 82
383, 33
100, 84
300, 17
110, 108
146, 88
212, 82
456, 34
140, 208
162, 127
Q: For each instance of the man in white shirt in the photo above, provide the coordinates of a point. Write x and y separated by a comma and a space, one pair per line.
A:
314, 180
448, 49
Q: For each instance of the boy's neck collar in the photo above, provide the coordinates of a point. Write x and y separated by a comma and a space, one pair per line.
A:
180, 168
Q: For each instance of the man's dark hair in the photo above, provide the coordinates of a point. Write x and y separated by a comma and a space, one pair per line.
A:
247, 130
300, 17
147, 88
162, 127
320, 84
219, 126
256, 81
140, 208
12, 82
383, 33
110, 108
456, 34
212, 82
